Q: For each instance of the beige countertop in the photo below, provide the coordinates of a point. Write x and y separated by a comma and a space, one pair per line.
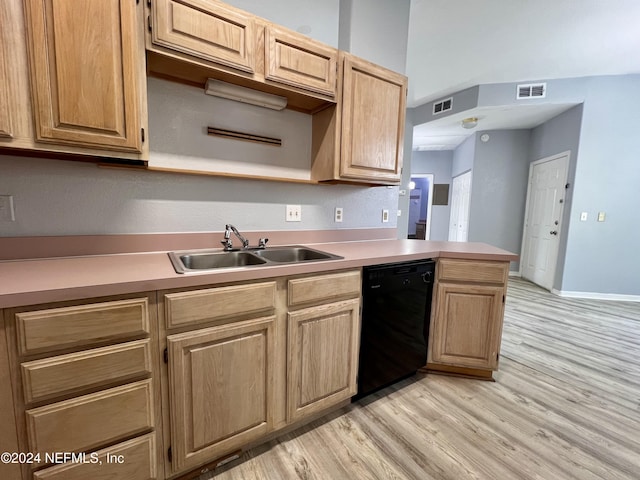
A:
26, 282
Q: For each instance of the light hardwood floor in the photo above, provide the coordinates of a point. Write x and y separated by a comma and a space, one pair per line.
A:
565, 405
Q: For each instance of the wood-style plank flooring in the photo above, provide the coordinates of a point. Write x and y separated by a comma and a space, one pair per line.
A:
565, 405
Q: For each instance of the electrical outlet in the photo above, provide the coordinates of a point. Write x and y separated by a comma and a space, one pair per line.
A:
601, 216
338, 215
7, 214
385, 216
399, 213
293, 213
583, 216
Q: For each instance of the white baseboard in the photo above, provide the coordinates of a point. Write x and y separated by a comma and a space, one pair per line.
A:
515, 273
597, 296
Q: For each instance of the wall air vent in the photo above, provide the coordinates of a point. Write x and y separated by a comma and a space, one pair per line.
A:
442, 106
532, 90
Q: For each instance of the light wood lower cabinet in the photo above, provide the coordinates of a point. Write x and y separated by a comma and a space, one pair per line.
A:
466, 323
92, 420
131, 460
290, 352
323, 357
85, 377
221, 389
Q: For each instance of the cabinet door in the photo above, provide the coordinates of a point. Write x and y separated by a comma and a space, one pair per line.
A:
323, 357
221, 389
86, 60
6, 129
373, 113
467, 325
298, 61
206, 29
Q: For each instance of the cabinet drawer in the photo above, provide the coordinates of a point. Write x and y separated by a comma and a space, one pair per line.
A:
60, 328
324, 287
90, 421
138, 463
299, 61
199, 306
77, 371
473, 270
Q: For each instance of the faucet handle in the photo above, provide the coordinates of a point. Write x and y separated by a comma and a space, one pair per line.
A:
226, 243
262, 243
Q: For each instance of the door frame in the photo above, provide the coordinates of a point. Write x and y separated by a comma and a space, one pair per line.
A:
431, 177
550, 158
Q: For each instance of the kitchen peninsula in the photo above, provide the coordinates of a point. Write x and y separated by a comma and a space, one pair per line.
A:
127, 338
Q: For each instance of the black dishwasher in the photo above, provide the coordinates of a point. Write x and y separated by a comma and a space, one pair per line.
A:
395, 322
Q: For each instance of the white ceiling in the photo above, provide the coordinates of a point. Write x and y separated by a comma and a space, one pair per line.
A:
456, 44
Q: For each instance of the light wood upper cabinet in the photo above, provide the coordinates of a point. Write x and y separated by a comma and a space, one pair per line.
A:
373, 111
323, 357
296, 60
221, 387
206, 29
361, 139
466, 324
6, 129
87, 72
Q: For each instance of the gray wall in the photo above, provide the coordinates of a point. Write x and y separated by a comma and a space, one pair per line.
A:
439, 164
403, 200
54, 197
564, 90
463, 156
377, 31
603, 256
558, 135
319, 20
461, 101
498, 189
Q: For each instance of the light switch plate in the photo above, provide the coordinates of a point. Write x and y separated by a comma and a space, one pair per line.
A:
583, 216
293, 213
601, 216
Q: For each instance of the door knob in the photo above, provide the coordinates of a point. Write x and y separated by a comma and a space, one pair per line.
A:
553, 232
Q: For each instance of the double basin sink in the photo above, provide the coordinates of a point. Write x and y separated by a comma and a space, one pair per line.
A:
200, 260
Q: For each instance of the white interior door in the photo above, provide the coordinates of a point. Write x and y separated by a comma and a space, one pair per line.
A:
460, 204
545, 202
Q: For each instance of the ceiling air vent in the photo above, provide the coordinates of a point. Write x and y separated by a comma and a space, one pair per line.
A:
532, 90
442, 106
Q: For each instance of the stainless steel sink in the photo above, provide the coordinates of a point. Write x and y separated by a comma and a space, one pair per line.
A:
294, 254
199, 260
188, 262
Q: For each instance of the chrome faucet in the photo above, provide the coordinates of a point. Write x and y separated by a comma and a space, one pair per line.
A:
228, 245
227, 237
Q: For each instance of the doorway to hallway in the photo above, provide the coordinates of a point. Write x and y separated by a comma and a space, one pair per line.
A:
420, 204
